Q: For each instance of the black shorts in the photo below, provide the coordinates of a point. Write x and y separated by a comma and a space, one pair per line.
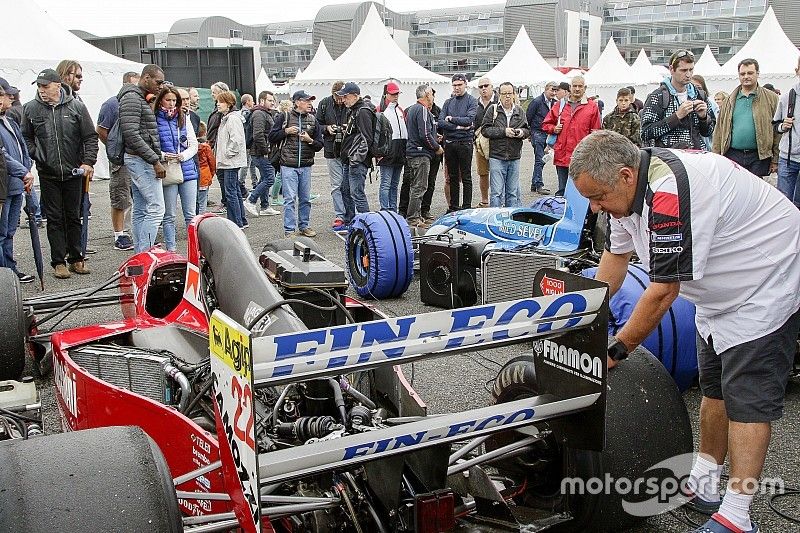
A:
751, 377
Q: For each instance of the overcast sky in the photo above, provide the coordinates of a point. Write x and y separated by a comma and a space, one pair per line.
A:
121, 17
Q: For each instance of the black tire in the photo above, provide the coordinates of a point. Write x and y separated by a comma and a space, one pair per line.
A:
646, 422
12, 327
280, 245
380, 259
109, 479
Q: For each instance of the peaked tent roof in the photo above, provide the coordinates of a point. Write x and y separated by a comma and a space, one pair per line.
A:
707, 64
610, 68
322, 58
643, 70
523, 65
769, 44
374, 56
263, 83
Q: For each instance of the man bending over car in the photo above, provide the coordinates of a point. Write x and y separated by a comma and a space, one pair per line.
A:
712, 232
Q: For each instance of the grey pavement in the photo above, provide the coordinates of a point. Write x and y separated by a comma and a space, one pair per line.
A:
447, 384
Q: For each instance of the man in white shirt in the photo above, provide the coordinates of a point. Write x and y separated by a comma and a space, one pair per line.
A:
392, 164
717, 235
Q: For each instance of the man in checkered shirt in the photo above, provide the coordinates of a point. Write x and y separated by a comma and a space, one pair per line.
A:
676, 114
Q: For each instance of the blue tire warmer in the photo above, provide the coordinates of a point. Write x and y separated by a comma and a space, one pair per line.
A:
673, 342
380, 259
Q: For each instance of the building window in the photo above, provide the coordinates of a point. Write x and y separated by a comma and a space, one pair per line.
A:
235, 34
583, 54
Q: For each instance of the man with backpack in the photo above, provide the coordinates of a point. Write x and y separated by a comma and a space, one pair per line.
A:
789, 158
261, 119
119, 188
357, 152
676, 115
331, 114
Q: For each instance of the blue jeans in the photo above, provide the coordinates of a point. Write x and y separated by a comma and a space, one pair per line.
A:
538, 140
148, 202
354, 176
188, 193
252, 168
9, 220
390, 179
296, 189
335, 173
788, 183
503, 182
267, 172
202, 201
233, 196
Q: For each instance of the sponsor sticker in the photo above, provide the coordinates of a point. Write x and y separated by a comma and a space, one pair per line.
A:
191, 289
667, 238
232, 368
551, 286
570, 360
669, 250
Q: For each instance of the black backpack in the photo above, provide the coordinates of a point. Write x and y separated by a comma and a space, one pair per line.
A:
382, 136
115, 144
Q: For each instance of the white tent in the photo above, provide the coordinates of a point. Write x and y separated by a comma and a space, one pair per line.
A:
643, 70
371, 60
33, 41
610, 68
522, 65
322, 58
263, 83
769, 44
707, 64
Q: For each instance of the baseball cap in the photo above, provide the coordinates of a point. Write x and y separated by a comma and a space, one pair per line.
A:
6, 88
47, 76
302, 95
392, 88
349, 88
564, 86
459, 77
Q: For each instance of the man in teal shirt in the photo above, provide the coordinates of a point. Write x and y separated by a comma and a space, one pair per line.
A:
744, 130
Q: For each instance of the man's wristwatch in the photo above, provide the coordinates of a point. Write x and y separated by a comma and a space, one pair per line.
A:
617, 351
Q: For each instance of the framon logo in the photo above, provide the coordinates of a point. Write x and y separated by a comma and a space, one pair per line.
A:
570, 360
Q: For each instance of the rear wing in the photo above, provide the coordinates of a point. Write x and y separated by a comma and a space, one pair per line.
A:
569, 330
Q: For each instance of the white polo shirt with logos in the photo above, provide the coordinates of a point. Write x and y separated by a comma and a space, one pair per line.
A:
731, 239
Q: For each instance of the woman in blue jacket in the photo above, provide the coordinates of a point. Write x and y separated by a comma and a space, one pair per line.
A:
178, 144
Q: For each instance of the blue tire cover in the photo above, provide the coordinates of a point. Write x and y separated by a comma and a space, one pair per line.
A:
380, 259
673, 342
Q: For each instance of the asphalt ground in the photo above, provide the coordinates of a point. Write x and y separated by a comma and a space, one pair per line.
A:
446, 384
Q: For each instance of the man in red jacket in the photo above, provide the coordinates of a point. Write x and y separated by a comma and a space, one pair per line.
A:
572, 119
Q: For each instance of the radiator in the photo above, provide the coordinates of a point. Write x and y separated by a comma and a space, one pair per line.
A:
509, 275
127, 367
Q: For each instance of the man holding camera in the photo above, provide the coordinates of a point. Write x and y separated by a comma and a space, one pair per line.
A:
676, 115
331, 114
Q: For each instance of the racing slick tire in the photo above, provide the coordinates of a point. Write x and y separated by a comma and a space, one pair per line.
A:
12, 327
380, 258
646, 423
280, 245
107, 479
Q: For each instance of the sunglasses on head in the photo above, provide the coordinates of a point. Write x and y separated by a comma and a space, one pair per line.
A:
680, 54
485, 85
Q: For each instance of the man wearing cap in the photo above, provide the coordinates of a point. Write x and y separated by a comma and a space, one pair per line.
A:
61, 139
15, 179
14, 111
487, 98
537, 111
392, 164
331, 116
457, 124
356, 146
300, 136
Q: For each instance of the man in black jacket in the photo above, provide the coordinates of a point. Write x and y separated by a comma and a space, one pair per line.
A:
299, 135
356, 150
331, 114
143, 155
262, 118
61, 139
457, 124
537, 110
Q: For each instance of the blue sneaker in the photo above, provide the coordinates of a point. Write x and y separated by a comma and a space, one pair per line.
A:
123, 242
696, 503
720, 524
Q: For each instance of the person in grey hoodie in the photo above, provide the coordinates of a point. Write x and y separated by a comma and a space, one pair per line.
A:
789, 158
143, 155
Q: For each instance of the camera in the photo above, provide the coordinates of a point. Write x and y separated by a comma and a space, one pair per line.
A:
338, 133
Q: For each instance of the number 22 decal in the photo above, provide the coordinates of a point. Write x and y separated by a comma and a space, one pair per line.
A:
244, 399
